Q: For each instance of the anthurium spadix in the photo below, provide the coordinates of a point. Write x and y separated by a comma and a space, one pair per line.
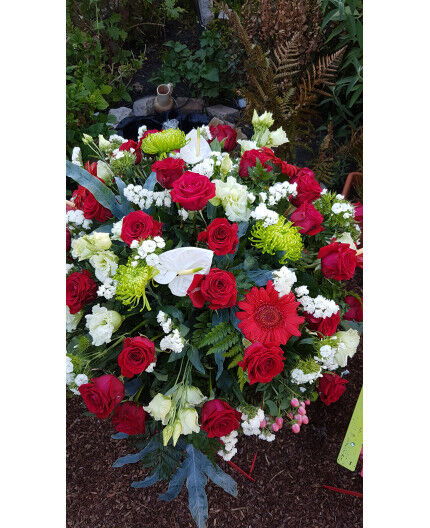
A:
178, 267
197, 149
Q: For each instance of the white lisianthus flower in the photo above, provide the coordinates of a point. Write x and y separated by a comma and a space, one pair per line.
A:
194, 396
189, 420
159, 407
276, 138
105, 264
72, 320
104, 144
246, 144
81, 379
233, 197
88, 245
104, 172
348, 344
102, 323
263, 121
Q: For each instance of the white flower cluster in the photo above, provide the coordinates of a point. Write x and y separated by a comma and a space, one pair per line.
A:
327, 356
116, 230
108, 288
266, 435
281, 190
72, 320
268, 216
165, 322
343, 207
251, 426
173, 342
299, 377
146, 250
319, 307
69, 268
205, 167
77, 156
75, 218
229, 450
283, 281
116, 138
141, 130
183, 213
301, 290
144, 198
73, 380
206, 132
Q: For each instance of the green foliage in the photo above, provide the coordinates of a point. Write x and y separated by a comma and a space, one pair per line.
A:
343, 26
208, 71
164, 459
99, 67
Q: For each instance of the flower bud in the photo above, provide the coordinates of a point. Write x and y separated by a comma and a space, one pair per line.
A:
167, 434
301, 410
104, 172
295, 402
275, 428
305, 420
295, 428
177, 428
104, 144
279, 421
263, 423
298, 418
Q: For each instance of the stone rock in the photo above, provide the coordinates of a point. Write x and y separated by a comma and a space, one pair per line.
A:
144, 106
120, 113
206, 11
225, 113
215, 122
189, 106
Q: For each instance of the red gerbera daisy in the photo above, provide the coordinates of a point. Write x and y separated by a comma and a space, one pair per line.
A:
268, 318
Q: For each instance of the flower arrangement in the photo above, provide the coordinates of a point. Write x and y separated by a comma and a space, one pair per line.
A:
206, 296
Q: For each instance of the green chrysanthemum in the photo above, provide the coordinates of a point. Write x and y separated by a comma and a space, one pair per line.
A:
164, 141
132, 282
282, 236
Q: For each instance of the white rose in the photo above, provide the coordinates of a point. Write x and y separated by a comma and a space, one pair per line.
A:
347, 347
105, 264
102, 323
72, 320
159, 407
104, 172
189, 420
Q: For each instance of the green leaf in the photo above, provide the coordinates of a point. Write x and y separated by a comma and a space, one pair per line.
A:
194, 357
211, 75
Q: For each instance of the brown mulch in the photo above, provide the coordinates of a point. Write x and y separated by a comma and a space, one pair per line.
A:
289, 474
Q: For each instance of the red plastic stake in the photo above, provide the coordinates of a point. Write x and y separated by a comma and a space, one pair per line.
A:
253, 463
237, 468
344, 491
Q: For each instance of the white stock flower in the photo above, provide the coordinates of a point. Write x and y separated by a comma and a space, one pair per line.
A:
72, 320
102, 323
81, 379
283, 281
105, 264
347, 347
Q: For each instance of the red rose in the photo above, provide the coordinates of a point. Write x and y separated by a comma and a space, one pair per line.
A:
338, 261
136, 356
289, 170
139, 226
220, 236
101, 395
355, 313
308, 189
80, 290
249, 160
219, 419
218, 287
308, 218
192, 191
78, 197
331, 387
95, 211
130, 144
325, 325
91, 168
68, 240
221, 132
129, 418
263, 362
168, 171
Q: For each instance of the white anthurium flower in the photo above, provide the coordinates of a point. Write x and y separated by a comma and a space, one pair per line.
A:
177, 267
197, 149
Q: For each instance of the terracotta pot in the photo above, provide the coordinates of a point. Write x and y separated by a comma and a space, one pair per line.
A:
353, 178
